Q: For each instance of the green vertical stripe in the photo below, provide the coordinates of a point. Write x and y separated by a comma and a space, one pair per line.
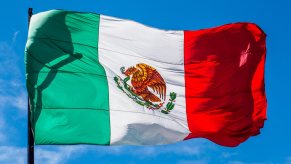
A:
67, 85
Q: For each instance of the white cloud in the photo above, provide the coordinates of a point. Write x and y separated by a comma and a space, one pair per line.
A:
12, 87
12, 96
197, 151
9, 61
20, 101
57, 155
8, 133
17, 100
14, 37
10, 154
43, 154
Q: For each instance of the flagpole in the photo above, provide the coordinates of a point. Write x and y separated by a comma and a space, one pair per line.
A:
30, 140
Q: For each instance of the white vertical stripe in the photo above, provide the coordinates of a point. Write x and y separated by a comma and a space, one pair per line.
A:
127, 43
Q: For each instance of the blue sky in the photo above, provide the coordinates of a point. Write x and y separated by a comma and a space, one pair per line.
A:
273, 145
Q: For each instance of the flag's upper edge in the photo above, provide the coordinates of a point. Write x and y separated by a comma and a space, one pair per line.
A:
116, 18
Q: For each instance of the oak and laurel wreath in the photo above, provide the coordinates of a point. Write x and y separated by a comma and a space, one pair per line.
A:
125, 88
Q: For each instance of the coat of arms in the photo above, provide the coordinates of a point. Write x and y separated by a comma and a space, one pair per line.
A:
147, 87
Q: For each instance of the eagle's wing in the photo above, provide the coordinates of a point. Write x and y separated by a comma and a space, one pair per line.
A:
156, 82
150, 78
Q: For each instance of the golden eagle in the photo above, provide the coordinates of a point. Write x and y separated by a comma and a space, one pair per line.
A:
144, 76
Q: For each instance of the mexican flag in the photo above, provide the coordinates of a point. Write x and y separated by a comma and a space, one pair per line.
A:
95, 79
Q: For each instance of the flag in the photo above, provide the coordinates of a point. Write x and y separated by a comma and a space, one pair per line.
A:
95, 79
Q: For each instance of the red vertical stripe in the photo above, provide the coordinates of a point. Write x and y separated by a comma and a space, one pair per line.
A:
224, 79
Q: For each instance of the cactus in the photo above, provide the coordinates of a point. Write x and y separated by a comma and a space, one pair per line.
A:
170, 105
173, 96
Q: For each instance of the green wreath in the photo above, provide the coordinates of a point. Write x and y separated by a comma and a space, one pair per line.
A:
125, 88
